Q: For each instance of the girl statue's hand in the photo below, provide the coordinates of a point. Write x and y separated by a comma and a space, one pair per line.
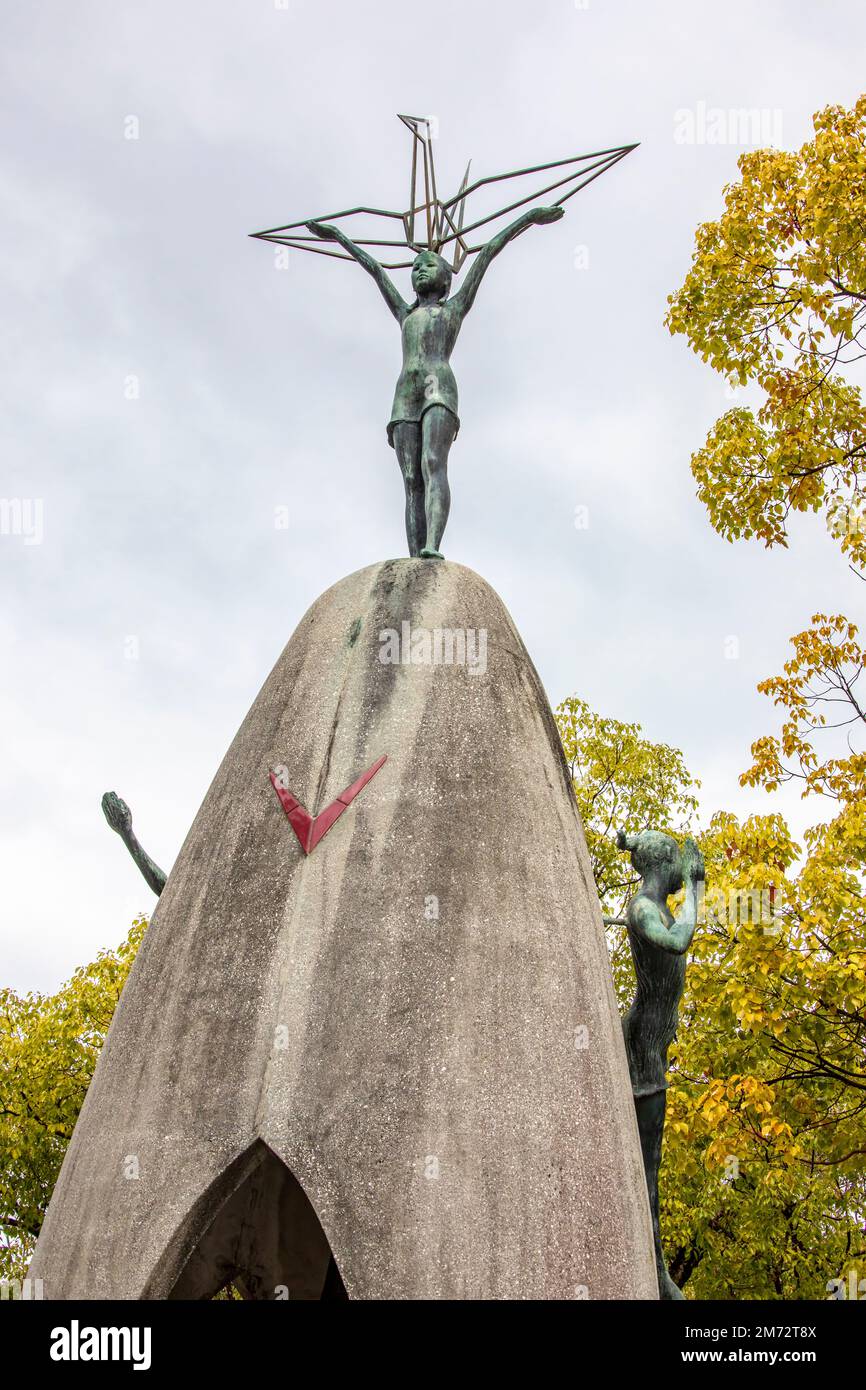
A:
117, 813
542, 215
693, 862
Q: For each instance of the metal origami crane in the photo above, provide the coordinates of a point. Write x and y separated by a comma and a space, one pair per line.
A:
442, 223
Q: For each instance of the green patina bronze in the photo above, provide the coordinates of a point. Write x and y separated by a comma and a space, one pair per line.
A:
424, 420
659, 943
119, 817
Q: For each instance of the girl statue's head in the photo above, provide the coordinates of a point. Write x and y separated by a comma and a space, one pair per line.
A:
431, 276
654, 852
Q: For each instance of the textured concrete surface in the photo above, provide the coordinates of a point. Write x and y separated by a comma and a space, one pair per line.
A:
424, 1078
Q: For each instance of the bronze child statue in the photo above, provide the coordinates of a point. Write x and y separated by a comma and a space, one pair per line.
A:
424, 420
658, 945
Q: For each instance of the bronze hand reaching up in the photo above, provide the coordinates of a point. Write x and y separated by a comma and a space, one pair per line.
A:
119, 817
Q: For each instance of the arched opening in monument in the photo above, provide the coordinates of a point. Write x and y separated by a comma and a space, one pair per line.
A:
253, 1231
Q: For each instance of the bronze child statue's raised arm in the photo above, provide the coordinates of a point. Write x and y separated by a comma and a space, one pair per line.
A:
424, 420
119, 817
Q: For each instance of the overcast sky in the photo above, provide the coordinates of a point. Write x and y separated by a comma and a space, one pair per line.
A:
136, 634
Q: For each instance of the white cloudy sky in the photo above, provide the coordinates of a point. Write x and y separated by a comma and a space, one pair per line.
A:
262, 388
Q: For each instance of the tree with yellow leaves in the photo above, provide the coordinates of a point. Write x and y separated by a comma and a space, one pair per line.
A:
776, 295
769, 1106
48, 1050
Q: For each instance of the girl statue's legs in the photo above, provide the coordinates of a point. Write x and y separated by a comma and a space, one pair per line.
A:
651, 1123
407, 446
438, 428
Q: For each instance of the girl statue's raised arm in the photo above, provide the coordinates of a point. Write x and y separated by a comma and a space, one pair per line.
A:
391, 295
463, 300
118, 815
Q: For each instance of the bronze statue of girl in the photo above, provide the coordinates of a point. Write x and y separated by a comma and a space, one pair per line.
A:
658, 946
424, 420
